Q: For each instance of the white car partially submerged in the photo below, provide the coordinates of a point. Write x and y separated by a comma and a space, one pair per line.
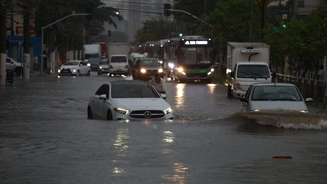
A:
75, 67
274, 97
128, 100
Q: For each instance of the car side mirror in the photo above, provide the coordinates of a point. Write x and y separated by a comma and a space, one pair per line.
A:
103, 97
309, 100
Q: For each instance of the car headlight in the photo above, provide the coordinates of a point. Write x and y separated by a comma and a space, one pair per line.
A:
74, 70
88, 64
143, 71
256, 110
160, 70
304, 111
168, 110
171, 65
180, 70
121, 111
212, 70
100, 67
59, 70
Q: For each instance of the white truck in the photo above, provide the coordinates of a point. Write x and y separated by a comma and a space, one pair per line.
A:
247, 63
118, 58
92, 55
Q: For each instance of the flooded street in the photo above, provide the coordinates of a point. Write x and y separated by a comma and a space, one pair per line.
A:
46, 138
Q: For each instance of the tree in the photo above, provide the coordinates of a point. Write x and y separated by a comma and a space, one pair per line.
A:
302, 41
157, 29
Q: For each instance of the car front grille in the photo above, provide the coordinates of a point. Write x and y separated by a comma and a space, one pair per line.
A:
147, 114
65, 71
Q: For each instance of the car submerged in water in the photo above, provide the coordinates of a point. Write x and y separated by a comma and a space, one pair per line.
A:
274, 97
128, 100
74, 68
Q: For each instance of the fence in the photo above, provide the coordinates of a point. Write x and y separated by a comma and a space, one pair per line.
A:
309, 86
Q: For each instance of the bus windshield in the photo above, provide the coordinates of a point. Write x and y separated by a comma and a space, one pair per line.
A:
193, 55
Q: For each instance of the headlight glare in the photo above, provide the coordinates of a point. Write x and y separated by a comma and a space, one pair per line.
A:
121, 110
143, 71
168, 110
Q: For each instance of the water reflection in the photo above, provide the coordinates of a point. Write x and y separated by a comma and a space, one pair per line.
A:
180, 95
179, 176
168, 137
211, 88
120, 147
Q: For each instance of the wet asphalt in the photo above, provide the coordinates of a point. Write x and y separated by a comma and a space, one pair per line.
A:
45, 138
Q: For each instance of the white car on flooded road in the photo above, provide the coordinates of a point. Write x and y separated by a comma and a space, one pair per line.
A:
276, 97
126, 100
75, 68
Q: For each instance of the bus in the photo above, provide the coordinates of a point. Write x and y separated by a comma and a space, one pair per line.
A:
189, 57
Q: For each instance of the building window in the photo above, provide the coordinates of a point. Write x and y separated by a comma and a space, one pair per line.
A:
300, 4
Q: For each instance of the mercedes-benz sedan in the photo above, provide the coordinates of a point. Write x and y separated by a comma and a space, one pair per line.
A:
126, 100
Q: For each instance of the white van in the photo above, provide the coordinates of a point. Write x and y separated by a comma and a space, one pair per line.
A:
119, 65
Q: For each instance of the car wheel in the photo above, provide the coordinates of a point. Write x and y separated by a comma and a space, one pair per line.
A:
109, 115
90, 115
229, 92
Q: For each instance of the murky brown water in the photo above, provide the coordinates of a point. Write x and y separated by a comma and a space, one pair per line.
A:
46, 138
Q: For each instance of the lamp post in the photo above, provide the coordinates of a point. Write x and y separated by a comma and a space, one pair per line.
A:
43, 28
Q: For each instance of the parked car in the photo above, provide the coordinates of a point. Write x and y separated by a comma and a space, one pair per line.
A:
18, 66
11, 64
128, 99
74, 67
147, 67
274, 97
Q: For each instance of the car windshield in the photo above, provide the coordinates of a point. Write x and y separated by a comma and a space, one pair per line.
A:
253, 71
71, 63
150, 62
118, 59
276, 93
132, 91
103, 63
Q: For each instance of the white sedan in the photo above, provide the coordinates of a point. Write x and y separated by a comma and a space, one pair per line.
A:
276, 97
126, 100
74, 68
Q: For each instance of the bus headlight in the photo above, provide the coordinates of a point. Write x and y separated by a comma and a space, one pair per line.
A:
143, 71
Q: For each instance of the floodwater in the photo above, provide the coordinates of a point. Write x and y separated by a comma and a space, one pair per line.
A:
45, 138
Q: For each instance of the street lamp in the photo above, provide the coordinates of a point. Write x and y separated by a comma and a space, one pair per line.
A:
43, 28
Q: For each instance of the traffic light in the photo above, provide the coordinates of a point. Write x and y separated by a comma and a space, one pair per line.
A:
167, 8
